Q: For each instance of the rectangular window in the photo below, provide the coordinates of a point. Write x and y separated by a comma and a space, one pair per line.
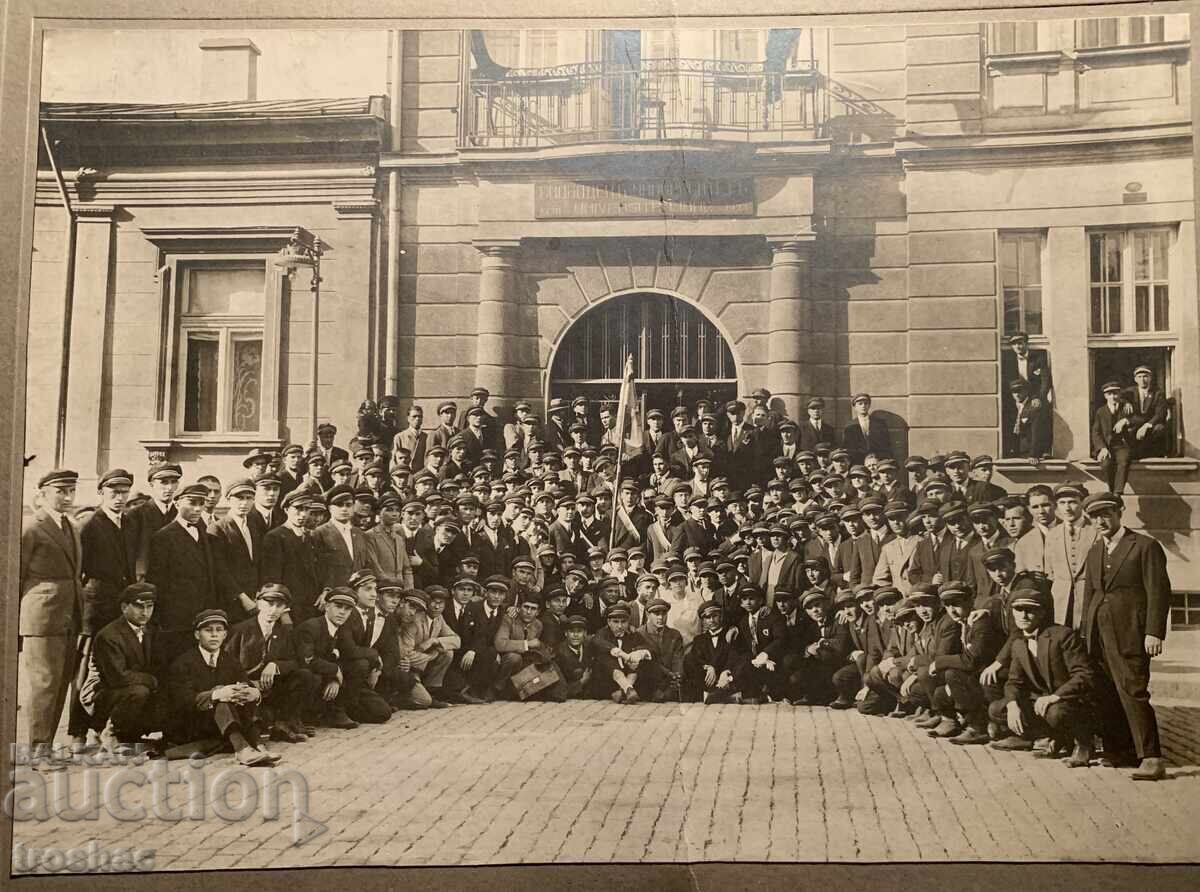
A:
1128, 31
1118, 364
1012, 37
1021, 280
1129, 283
740, 45
221, 336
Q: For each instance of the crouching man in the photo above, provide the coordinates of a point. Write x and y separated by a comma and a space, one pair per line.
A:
1049, 682
519, 643
129, 662
211, 695
264, 648
666, 648
319, 643
716, 660
574, 658
622, 659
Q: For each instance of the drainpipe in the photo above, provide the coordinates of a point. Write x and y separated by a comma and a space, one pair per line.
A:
60, 426
392, 315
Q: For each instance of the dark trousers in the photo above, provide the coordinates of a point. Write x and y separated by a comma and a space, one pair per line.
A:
220, 721
603, 683
135, 711
1067, 721
483, 671
1127, 719
812, 680
885, 687
358, 698
1116, 469
964, 694
848, 681
289, 694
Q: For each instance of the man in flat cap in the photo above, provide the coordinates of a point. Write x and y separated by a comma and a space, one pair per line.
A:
109, 548
264, 648
326, 432
715, 660
237, 544
412, 438
1067, 547
446, 429
184, 568
289, 559
157, 511
131, 672
1148, 416
1050, 683
341, 547
1127, 596
211, 696
575, 658
1027, 372
1113, 437
621, 669
813, 430
479, 660
667, 649
866, 433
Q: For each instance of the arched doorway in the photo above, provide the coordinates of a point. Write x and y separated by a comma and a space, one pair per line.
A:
679, 355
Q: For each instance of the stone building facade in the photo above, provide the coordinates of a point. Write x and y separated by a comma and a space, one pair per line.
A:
815, 211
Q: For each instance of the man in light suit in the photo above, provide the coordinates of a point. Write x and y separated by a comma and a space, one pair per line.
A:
340, 546
50, 595
1032, 549
1127, 597
1067, 547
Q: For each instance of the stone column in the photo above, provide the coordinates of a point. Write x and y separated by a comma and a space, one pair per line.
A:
788, 322
89, 320
498, 344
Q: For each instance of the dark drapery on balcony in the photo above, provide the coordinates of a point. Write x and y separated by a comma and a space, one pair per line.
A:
643, 99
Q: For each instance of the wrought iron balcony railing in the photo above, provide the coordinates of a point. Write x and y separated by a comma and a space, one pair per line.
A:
660, 99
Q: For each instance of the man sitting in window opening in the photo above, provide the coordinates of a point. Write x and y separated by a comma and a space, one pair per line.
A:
1031, 422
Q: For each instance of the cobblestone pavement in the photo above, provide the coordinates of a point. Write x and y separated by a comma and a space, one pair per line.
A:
597, 782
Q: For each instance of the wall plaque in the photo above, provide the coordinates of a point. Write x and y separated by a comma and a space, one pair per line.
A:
661, 197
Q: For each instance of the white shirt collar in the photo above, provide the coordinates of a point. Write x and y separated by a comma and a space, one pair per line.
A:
56, 516
116, 518
208, 659
265, 627
333, 630
1111, 542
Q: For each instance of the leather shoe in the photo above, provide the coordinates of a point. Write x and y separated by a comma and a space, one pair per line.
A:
439, 704
1118, 760
631, 696
945, 728
468, 697
1013, 744
1151, 769
341, 720
1081, 757
930, 721
971, 737
898, 713
286, 735
921, 713
839, 703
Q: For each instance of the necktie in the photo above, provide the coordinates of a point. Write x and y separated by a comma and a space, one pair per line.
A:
369, 620
246, 537
66, 529
212, 660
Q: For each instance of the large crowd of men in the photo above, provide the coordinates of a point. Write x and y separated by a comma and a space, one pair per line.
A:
736, 556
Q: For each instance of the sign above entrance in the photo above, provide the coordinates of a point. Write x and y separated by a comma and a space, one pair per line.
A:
661, 197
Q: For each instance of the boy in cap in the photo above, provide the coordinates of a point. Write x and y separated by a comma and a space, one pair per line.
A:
130, 668
387, 554
109, 552
886, 679
237, 544
1049, 684
621, 659
288, 558
479, 660
866, 433
370, 657
518, 643
211, 695
422, 659
341, 547
848, 678
883, 602
574, 658
1113, 437
822, 652
155, 513
715, 661
1148, 418
264, 648
940, 636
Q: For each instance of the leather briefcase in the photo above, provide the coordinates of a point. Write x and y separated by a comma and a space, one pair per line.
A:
535, 679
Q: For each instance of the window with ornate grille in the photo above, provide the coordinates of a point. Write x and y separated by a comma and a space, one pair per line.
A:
670, 340
1021, 281
221, 347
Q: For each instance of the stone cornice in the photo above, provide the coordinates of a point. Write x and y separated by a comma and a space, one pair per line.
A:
94, 213
356, 209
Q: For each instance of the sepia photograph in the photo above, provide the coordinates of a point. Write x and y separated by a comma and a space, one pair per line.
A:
754, 440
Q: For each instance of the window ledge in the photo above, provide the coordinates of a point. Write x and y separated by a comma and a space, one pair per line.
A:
1016, 466
216, 441
1145, 52
1025, 63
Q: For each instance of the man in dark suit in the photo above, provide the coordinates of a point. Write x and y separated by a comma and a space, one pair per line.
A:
131, 693
574, 658
1050, 681
869, 544
715, 661
744, 453
211, 695
264, 648
1032, 370
341, 547
667, 650
291, 468
182, 566
369, 642
479, 660
1148, 416
1127, 596
990, 539
683, 459
867, 433
288, 557
1113, 437
156, 512
494, 543
1026, 431
319, 644
955, 675
331, 453
814, 431
109, 543
631, 520
266, 514
760, 628
622, 659
980, 488
237, 546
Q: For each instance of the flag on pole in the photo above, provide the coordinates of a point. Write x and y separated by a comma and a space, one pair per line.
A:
629, 435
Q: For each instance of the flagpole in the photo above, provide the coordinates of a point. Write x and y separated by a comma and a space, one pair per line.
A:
622, 406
